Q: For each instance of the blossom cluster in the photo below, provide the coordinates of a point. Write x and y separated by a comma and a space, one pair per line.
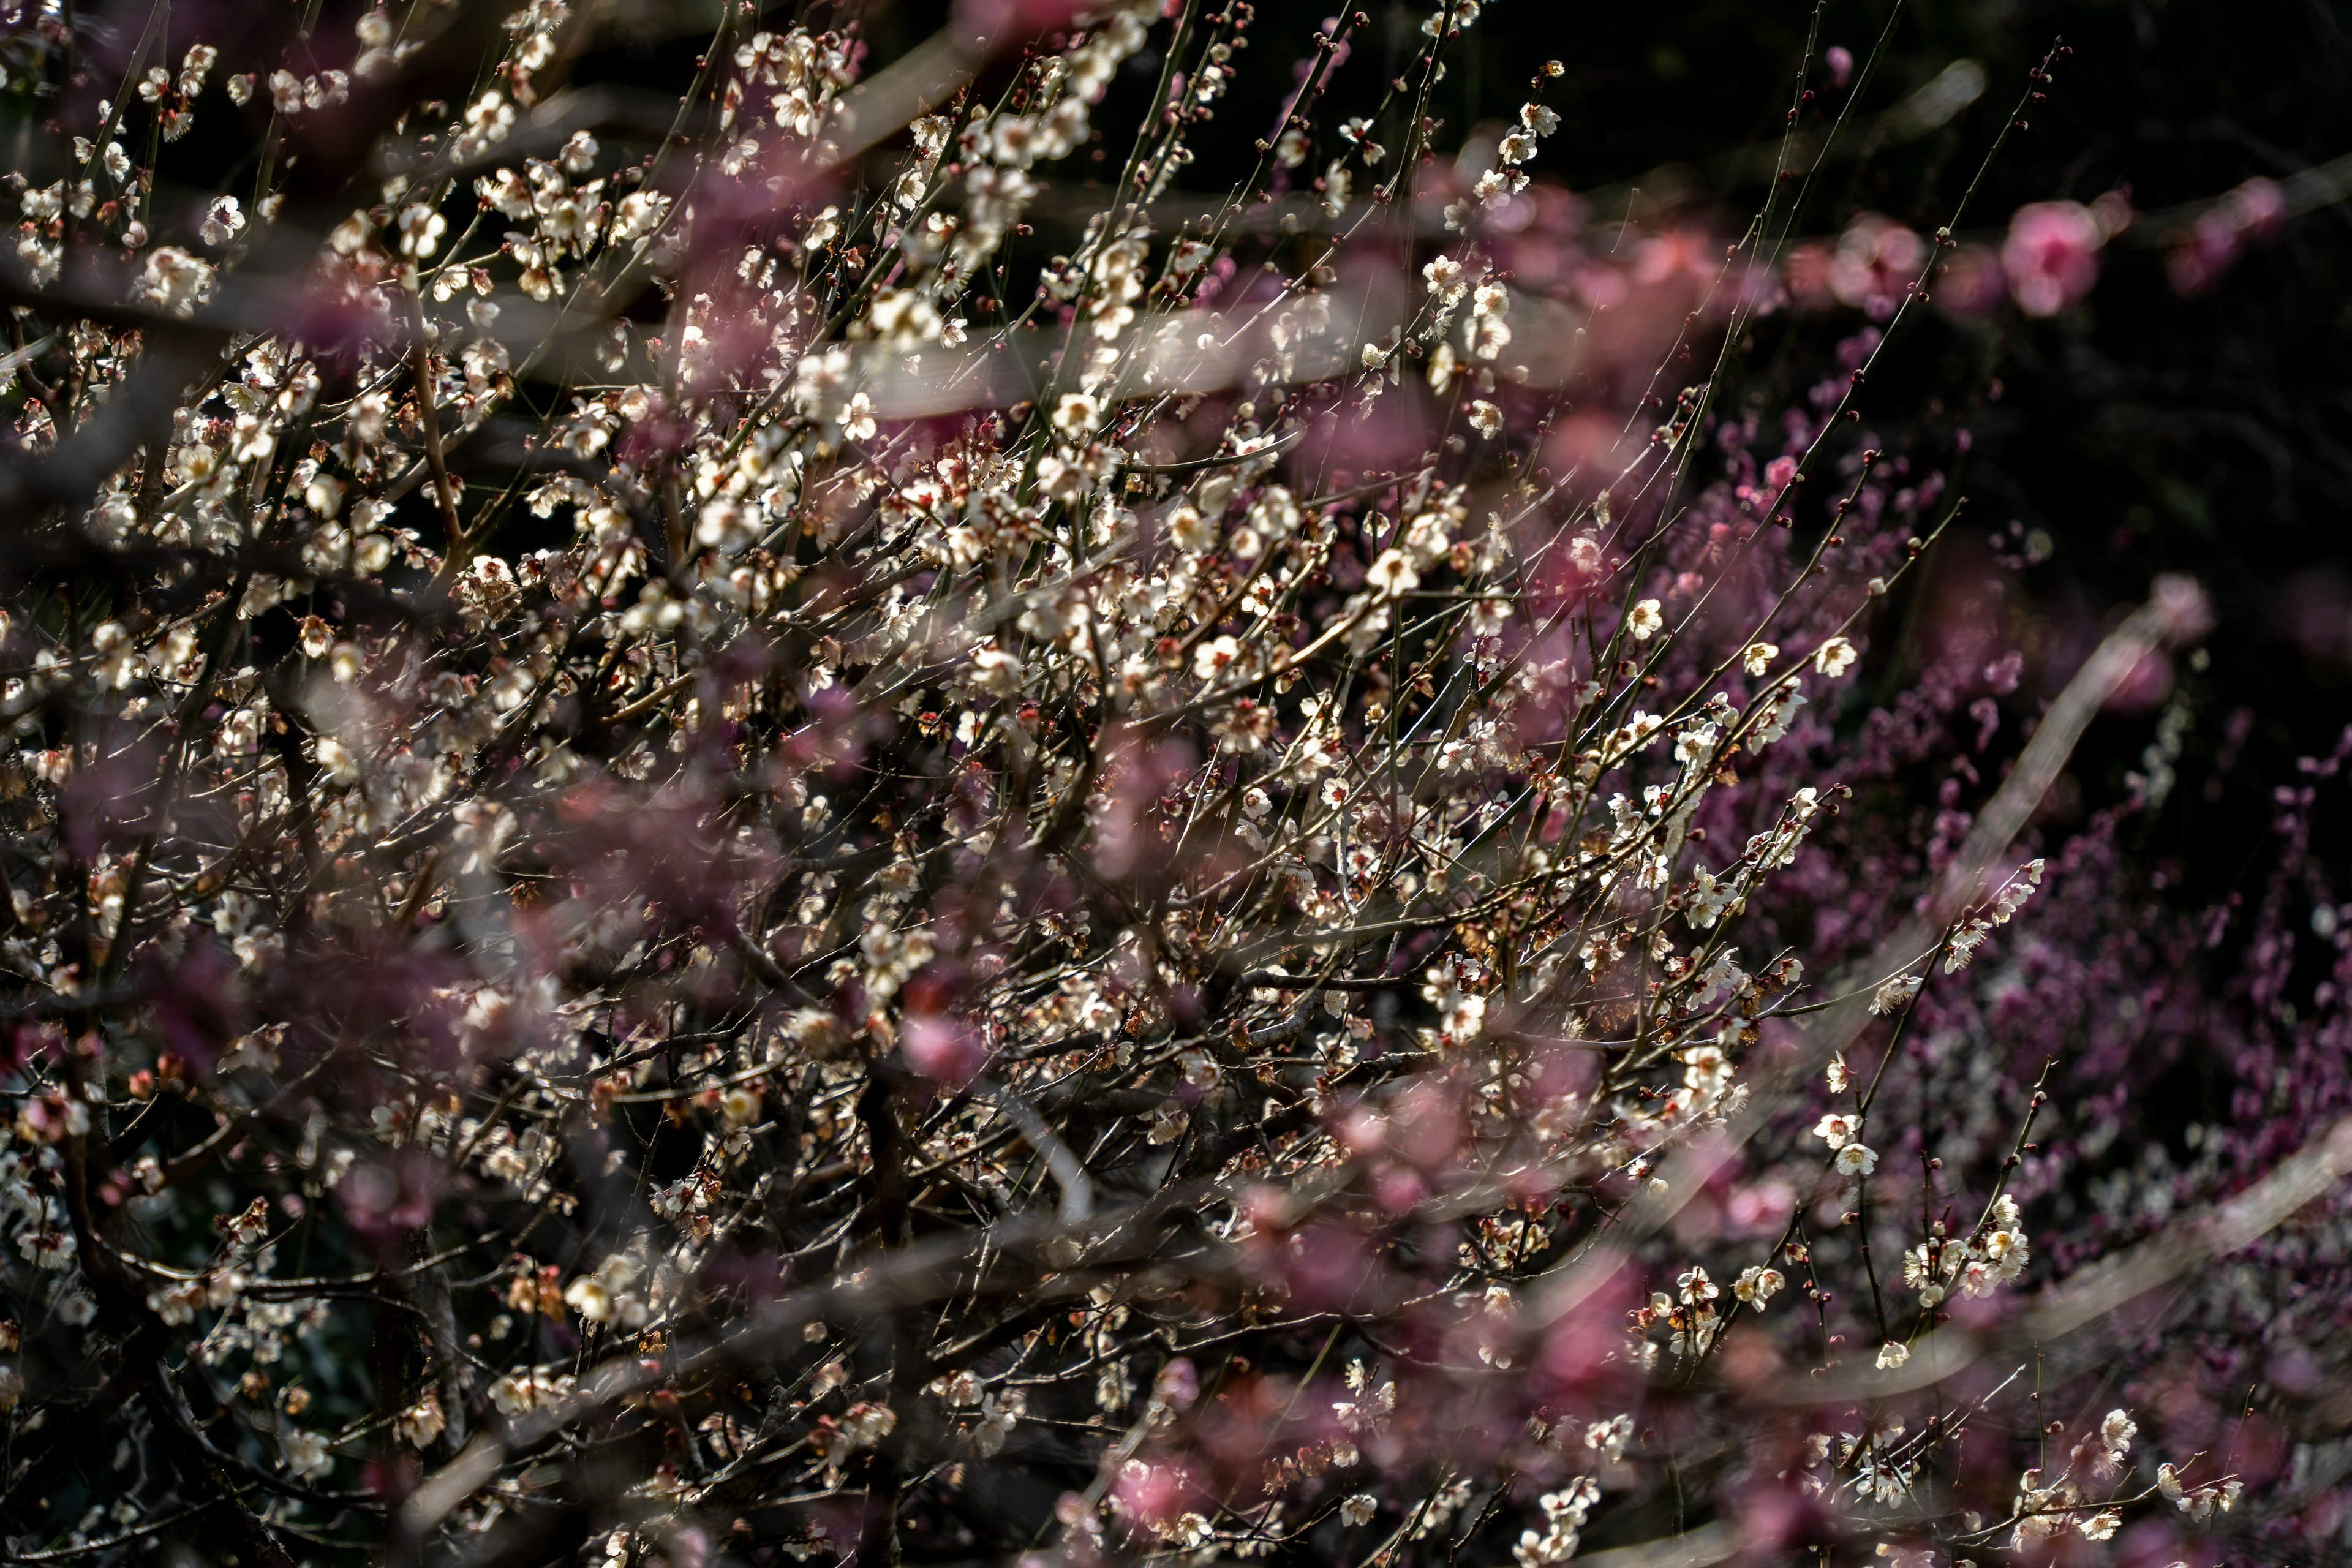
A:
796, 834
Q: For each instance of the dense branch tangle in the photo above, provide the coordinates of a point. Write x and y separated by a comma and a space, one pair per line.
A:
686, 867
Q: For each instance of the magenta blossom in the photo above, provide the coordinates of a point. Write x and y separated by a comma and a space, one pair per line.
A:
944, 1050
2052, 256
1877, 264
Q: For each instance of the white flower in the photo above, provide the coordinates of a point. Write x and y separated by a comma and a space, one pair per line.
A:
1190, 529
1076, 415
421, 1422
1442, 366
1778, 716
1833, 658
995, 671
1610, 1437
588, 1298
1760, 657
175, 281
194, 67
1645, 621
533, 1387
2100, 1525
1892, 997
1857, 1160
1358, 1509
961, 1388
725, 528
1837, 1130
349, 237
222, 220
1339, 185
306, 1452
1709, 897
421, 229
118, 663
1486, 418
1393, 572
1488, 333
999, 1414
857, 419
1212, 658
865, 1422
337, 761
1426, 537
641, 212
2013, 896
52, 1248
1893, 1354
1756, 1286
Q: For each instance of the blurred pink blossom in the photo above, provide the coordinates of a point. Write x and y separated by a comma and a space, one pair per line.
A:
2256, 207
2052, 256
944, 1050
1878, 262
1807, 272
1971, 283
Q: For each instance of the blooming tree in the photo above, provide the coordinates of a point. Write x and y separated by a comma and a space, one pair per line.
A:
750, 828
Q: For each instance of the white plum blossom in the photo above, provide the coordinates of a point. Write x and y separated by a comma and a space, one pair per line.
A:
305, 1453
1856, 1158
